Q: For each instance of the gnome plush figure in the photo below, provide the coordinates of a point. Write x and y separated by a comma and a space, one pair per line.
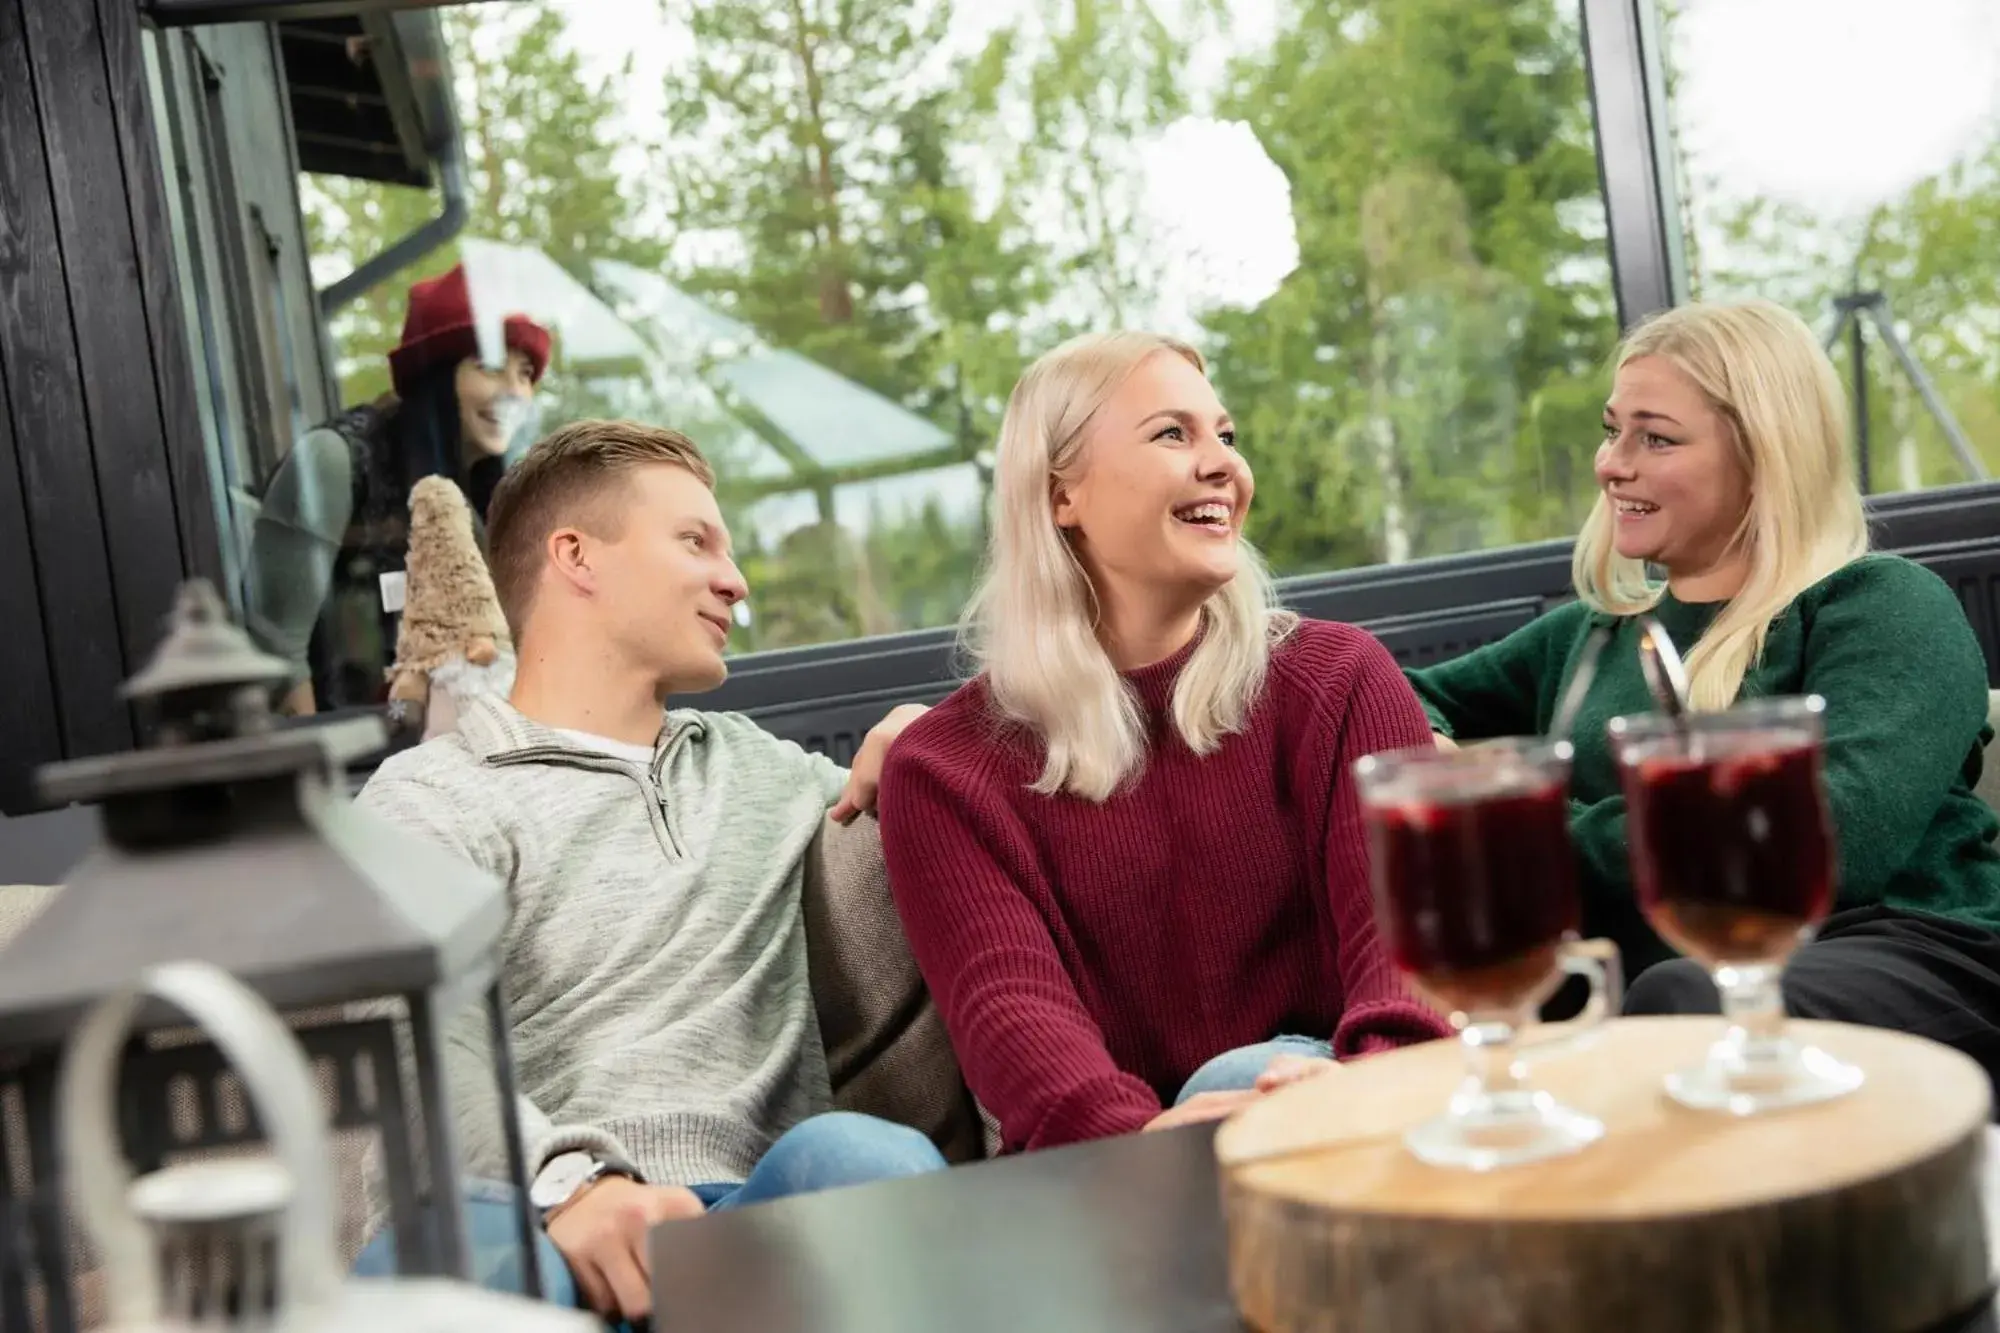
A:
452, 644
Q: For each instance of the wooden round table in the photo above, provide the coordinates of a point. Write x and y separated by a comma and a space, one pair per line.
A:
1857, 1214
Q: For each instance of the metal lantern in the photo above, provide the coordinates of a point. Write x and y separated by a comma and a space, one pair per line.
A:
263, 1224
230, 840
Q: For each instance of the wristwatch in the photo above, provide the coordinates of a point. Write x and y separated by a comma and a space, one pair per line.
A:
565, 1175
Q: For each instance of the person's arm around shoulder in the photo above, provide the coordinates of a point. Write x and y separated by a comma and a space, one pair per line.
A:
958, 860
862, 783
848, 792
1497, 688
1365, 707
1889, 648
601, 1228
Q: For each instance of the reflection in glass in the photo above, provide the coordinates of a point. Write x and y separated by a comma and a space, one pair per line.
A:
332, 531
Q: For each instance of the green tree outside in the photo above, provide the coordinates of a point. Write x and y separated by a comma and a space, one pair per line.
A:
924, 215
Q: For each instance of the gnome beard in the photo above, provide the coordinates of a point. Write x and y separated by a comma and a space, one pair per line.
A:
461, 680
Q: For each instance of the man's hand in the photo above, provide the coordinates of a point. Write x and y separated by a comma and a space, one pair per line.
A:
1442, 741
865, 777
1201, 1107
602, 1236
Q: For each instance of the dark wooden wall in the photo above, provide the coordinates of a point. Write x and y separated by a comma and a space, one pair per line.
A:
104, 494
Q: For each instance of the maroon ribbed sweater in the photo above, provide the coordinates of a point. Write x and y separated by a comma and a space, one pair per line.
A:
1088, 958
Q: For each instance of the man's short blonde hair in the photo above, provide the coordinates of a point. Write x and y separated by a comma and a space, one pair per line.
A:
572, 478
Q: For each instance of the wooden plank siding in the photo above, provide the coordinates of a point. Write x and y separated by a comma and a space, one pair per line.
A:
104, 498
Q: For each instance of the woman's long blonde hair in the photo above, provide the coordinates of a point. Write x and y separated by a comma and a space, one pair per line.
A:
1032, 624
1765, 373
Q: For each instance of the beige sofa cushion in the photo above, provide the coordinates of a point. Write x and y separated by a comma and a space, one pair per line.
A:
886, 1047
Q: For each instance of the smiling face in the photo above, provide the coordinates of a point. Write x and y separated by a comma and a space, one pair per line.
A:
667, 583
489, 401
1154, 506
1672, 471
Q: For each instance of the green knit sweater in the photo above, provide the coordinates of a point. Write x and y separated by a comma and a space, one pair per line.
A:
1883, 640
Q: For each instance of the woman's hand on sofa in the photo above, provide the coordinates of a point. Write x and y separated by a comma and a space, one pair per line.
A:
1203, 1106
1286, 1070
864, 777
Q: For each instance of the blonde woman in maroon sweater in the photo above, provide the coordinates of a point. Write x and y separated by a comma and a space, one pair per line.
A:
1128, 854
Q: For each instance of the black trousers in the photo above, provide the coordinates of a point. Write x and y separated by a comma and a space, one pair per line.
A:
1924, 975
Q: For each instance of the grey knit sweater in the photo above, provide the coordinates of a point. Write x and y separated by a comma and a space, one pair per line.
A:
655, 957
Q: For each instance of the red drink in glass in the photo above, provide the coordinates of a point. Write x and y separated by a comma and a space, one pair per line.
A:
1478, 893
1731, 848
1733, 857
1476, 899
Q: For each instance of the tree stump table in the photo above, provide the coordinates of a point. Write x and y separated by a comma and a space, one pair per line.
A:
1860, 1214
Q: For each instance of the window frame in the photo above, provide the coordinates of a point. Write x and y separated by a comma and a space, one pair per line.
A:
1621, 42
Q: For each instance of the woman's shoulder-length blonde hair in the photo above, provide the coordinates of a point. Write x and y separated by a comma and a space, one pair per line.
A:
1763, 370
1032, 625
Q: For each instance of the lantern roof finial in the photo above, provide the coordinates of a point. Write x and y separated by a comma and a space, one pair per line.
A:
204, 650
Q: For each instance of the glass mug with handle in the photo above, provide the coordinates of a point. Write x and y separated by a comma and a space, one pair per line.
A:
1733, 857
1476, 898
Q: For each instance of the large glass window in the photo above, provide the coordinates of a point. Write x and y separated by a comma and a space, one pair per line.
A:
1843, 156
824, 239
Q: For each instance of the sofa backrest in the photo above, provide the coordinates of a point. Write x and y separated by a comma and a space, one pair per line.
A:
1989, 773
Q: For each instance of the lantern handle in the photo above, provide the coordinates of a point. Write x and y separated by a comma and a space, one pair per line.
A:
275, 1078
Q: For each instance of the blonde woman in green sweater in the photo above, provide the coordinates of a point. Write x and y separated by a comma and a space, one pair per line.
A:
1725, 464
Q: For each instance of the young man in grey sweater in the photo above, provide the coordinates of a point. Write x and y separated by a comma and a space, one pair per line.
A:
665, 1042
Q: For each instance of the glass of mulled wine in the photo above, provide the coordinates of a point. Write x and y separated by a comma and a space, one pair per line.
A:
1733, 857
1476, 898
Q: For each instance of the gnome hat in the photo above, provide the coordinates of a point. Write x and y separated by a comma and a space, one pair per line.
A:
449, 605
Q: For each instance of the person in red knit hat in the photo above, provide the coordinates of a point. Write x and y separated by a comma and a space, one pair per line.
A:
335, 516
1129, 854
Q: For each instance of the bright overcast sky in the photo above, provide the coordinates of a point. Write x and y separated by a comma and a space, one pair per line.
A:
1835, 104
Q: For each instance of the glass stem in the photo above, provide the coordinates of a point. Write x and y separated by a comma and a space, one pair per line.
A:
1755, 1008
1490, 1064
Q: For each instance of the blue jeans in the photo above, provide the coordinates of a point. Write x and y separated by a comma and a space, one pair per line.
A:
825, 1152
1237, 1070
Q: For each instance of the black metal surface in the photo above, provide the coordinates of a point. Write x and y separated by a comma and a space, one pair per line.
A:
449, 1249
1634, 166
176, 1103
1119, 1236
186, 13
1863, 454
527, 1221
46, 1204
15, 1265
1973, 571
156, 1126
826, 696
